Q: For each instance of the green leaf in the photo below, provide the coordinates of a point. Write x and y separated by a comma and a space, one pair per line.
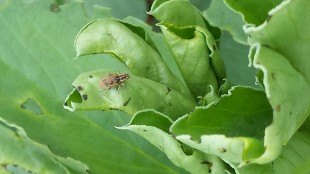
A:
119, 8
281, 54
23, 153
233, 128
154, 126
292, 160
163, 10
37, 69
219, 15
116, 38
253, 11
197, 57
134, 94
180, 13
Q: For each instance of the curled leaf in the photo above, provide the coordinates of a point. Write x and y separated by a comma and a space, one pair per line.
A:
131, 95
197, 57
128, 45
181, 13
280, 51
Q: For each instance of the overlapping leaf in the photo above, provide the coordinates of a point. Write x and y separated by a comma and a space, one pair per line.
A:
243, 127
232, 128
154, 127
281, 53
196, 54
23, 153
116, 38
37, 68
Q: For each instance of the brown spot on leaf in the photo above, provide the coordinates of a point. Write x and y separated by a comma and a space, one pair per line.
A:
54, 7
168, 90
126, 102
79, 88
278, 108
222, 150
274, 76
85, 96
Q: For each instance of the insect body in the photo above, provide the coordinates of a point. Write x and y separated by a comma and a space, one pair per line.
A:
113, 80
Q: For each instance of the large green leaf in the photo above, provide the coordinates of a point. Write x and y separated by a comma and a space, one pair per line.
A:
36, 52
294, 158
232, 128
20, 152
280, 51
132, 95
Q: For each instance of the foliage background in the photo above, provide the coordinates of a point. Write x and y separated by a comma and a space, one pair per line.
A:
37, 69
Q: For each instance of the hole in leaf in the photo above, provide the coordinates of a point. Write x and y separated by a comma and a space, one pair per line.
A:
74, 97
12, 168
33, 106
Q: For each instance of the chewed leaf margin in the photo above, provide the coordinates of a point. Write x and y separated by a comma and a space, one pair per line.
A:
27, 155
229, 127
154, 127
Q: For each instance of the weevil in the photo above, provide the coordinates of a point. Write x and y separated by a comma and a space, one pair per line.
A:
113, 80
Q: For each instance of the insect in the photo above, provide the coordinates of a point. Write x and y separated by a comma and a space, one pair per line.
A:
113, 80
